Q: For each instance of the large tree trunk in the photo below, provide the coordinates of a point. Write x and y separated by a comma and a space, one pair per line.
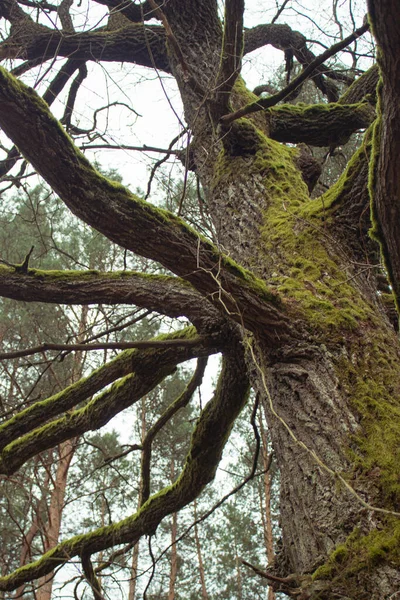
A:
333, 389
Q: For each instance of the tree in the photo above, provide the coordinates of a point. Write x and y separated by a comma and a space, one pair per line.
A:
289, 291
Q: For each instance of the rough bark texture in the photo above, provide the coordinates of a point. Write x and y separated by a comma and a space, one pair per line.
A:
317, 343
385, 18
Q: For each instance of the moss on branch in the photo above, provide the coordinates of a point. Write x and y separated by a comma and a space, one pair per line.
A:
24, 435
318, 124
208, 440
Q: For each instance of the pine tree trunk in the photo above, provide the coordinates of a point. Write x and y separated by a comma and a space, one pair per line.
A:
135, 553
52, 529
204, 594
66, 452
174, 558
134, 572
174, 555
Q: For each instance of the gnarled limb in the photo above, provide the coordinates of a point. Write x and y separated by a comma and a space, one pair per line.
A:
309, 70
141, 371
363, 88
208, 441
131, 44
166, 295
318, 124
282, 37
128, 221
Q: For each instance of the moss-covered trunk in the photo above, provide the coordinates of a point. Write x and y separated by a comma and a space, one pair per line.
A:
332, 391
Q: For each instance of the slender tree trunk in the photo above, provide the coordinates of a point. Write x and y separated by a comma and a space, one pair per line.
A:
35, 527
135, 553
267, 516
239, 583
52, 530
134, 571
174, 554
174, 558
204, 594
65, 455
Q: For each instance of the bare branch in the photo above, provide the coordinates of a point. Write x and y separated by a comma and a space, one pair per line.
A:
91, 577
100, 346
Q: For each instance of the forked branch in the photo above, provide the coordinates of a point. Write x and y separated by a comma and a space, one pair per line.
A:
208, 441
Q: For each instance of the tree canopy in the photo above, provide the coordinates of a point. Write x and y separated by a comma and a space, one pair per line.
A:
291, 277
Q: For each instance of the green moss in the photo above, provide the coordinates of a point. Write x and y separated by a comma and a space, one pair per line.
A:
325, 205
361, 552
293, 233
240, 89
293, 230
373, 389
310, 111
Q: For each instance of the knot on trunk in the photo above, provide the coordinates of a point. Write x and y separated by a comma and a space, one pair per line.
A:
240, 138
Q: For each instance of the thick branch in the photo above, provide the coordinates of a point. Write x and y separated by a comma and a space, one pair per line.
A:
166, 295
54, 89
124, 364
318, 124
146, 368
208, 441
363, 88
232, 50
132, 223
10, 10
131, 44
